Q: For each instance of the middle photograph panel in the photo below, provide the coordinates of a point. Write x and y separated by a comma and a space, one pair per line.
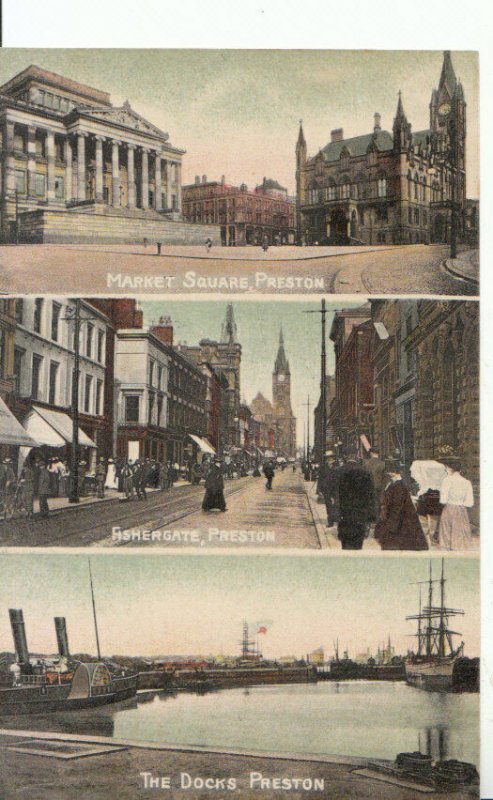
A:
291, 423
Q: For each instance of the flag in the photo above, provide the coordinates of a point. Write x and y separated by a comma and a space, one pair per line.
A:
262, 629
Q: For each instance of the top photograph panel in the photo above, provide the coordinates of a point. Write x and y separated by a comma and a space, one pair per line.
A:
239, 170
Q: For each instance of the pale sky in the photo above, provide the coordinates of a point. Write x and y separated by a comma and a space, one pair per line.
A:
237, 112
158, 604
259, 323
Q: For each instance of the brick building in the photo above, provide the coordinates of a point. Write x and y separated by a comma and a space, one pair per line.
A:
399, 187
321, 442
245, 216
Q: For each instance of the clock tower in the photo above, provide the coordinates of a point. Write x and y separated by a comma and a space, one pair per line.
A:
281, 397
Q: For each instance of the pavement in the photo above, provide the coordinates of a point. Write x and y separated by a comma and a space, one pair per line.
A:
465, 266
129, 269
47, 766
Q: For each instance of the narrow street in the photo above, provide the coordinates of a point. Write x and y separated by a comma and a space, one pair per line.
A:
255, 518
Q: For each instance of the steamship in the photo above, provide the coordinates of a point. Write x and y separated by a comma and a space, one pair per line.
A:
432, 667
36, 686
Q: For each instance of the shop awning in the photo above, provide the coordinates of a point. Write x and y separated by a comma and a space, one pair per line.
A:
11, 430
53, 428
203, 444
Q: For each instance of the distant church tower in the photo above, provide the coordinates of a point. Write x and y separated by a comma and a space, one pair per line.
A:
281, 397
300, 180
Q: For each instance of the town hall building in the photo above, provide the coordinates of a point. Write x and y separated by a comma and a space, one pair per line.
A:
399, 187
76, 168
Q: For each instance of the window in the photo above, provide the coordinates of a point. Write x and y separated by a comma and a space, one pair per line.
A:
416, 216
53, 382
59, 188
20, 181
100, 346
410, 215
151, 373
159, 377
382, 187
39, 146
36, 374
39, 184
345, 191
159, 409
89, 339
87, 394
55, 321
151, 408
99, 395
19, 311
18, 362
20, 141
132, 403
38, 313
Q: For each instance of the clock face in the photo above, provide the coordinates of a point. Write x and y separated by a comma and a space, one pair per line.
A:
444, 109
280, 377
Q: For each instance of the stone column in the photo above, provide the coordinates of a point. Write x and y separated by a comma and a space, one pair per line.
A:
81, 165
8, 159
67, 155
145, 178
115, 171
158, 185
99, 169
31, 161
131, 175
50, 166
169, 165
178, 186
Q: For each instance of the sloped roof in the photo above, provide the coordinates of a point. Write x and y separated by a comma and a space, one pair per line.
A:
421, 137
358, 145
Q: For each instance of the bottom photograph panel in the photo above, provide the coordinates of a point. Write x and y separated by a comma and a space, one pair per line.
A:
181, 676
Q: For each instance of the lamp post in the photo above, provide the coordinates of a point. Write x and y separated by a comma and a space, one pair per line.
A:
323, 378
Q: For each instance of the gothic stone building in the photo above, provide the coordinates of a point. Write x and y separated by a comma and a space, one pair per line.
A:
402, 187
76, 168
278, 415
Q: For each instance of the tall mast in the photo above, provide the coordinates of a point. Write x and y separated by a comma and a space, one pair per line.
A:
94, 611
420, 634
441, 634
430, 613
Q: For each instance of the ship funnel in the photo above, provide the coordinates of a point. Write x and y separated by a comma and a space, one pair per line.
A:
19, 634
61, 637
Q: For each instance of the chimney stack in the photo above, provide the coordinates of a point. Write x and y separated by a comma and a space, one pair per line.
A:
204, 178
337, 135
377, 117
197, 180
19, 634
163, 330
61, 637
223, 179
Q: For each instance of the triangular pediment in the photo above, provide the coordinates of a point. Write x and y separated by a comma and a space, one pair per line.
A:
125, 117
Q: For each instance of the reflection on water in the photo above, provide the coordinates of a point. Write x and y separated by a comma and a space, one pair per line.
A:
360, 718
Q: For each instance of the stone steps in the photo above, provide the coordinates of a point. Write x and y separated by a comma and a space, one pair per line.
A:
72, 227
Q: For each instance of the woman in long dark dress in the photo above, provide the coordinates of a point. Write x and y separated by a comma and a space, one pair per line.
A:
399, 527
214, 489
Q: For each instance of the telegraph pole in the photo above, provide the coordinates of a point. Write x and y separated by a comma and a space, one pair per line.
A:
74, 490
307, 404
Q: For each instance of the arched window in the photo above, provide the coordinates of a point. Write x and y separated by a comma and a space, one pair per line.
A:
382, 186
416, 188
345, 189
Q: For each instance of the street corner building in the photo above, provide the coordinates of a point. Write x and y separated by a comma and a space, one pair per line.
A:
74, 168
402, 187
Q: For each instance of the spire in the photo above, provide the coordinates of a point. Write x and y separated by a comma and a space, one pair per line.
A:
447, 77
301, 135
229, 331
401, 128
282, 363
400, 114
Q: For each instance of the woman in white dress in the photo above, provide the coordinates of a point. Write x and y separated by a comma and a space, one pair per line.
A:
111, 479
456, 495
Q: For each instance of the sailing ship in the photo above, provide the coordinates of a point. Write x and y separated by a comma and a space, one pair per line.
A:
36, 686
432, 667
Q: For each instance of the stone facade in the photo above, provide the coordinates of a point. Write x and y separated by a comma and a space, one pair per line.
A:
244, 216
381, 187
65, 147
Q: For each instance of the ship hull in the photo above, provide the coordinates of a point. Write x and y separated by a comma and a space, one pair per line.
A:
432, 676
48, 699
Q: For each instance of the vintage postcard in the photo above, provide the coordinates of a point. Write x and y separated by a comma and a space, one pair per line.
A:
239, 424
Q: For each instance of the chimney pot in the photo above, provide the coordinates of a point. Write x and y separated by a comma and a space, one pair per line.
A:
377, 118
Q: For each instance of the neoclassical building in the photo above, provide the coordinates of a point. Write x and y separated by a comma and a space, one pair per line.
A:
399, 187
66, 151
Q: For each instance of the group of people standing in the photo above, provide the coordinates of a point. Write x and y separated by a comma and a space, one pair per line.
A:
361, 496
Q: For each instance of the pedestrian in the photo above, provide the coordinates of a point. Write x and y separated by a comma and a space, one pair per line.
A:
265, 242
111, 481
356, 502
208, 245
269, 474
27, 490
327, 486
100, 478
456, 495
163, 475
214, 489
127, 479
429, 476
81, 478
399, 527
54, 476
376, 468
256, 472
44, 490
